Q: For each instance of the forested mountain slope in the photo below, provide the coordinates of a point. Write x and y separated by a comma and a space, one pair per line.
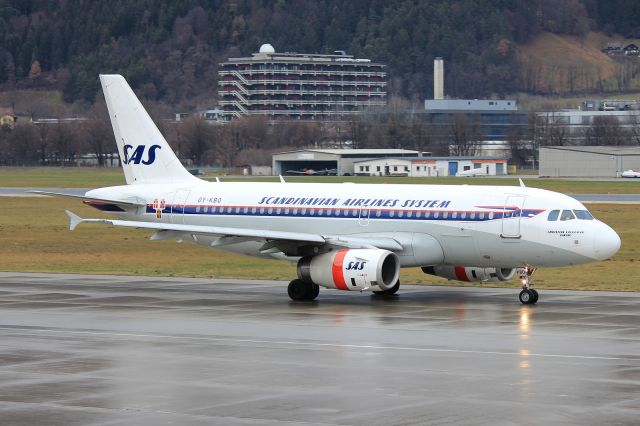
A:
169, 50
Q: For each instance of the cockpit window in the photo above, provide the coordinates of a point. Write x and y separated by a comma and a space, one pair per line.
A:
567, 215
583, 215
553, 215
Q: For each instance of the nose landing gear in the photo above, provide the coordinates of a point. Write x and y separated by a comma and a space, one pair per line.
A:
528, 296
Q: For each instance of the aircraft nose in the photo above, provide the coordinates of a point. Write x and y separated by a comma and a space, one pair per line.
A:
606, 242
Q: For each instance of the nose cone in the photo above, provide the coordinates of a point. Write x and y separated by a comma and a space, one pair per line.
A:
606, 242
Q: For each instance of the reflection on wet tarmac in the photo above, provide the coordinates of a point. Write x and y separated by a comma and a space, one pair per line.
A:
135, 350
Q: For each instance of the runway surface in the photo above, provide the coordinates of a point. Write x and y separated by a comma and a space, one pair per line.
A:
113, 350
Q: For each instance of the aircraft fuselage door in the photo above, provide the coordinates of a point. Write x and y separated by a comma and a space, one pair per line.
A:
178, 205
363, 216
512, 214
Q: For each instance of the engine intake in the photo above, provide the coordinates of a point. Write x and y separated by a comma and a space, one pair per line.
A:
470, 273
357, 269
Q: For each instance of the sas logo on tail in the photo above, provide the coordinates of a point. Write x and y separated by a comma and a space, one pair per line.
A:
136, 155
356, 266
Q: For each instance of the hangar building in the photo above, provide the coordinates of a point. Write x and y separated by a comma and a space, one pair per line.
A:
588, 161
338, 161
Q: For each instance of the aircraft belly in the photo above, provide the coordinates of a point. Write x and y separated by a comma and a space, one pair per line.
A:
460, 245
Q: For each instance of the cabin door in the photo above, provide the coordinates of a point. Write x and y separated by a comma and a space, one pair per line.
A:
179, 205
511, 216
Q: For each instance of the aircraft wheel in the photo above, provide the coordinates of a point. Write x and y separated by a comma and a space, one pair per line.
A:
313, 291
526, 297
300, 290
297, 289
536, 296
390, 291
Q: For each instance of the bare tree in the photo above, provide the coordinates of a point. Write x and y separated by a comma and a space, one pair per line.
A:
65, 142
606, 130
463, 135
196, 137
551, 129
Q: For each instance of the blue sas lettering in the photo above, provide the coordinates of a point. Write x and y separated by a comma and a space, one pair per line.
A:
356, 266
135, 157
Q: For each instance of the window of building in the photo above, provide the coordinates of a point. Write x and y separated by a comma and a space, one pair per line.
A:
395, 168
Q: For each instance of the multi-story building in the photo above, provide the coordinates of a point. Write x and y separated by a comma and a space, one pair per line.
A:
284, 86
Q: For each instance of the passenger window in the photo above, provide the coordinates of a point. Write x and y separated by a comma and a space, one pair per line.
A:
567, 215
553, 215
583, 215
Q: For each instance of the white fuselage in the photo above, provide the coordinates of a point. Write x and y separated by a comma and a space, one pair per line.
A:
495, 226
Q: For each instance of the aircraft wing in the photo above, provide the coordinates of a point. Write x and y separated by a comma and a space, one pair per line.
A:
175, 229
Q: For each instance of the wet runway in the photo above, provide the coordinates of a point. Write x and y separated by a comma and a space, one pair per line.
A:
111, 350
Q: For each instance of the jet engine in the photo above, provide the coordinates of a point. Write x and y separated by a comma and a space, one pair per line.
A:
470, 273
356, 269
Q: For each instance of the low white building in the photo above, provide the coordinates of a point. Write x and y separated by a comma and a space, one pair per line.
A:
430, 166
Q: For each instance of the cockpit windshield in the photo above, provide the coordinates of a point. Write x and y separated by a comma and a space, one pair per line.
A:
583, 214
569, 215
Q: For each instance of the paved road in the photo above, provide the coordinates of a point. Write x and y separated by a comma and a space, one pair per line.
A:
608, 198
113, 350
24, 192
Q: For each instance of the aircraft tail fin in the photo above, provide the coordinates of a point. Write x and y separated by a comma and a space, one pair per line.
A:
145, 154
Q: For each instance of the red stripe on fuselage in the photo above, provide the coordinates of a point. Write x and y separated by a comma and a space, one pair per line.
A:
461, 274
337, 271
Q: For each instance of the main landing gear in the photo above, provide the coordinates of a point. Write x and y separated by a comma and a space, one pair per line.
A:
302, 290
528, 296
390, 291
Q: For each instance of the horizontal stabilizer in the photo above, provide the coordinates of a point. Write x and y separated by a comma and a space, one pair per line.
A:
128, 202
75, 220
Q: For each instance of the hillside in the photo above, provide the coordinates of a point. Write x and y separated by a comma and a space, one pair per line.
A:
169, 51
564, 64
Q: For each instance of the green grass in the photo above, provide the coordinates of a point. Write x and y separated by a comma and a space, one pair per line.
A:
60, 177
34, 237
82, 177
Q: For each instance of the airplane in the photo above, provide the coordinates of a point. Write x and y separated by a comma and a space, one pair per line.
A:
345, 236
472, 173
633, 173
311, 172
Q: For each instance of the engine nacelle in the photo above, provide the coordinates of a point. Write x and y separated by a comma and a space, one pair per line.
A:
470, 273
357, 269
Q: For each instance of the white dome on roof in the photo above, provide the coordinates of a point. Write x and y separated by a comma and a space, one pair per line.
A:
267, 48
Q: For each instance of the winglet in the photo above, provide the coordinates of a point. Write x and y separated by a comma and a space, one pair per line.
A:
282, 179
521, 183
75, 220
217, 179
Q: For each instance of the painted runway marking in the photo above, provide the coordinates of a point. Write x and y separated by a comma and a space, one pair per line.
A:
29, 330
